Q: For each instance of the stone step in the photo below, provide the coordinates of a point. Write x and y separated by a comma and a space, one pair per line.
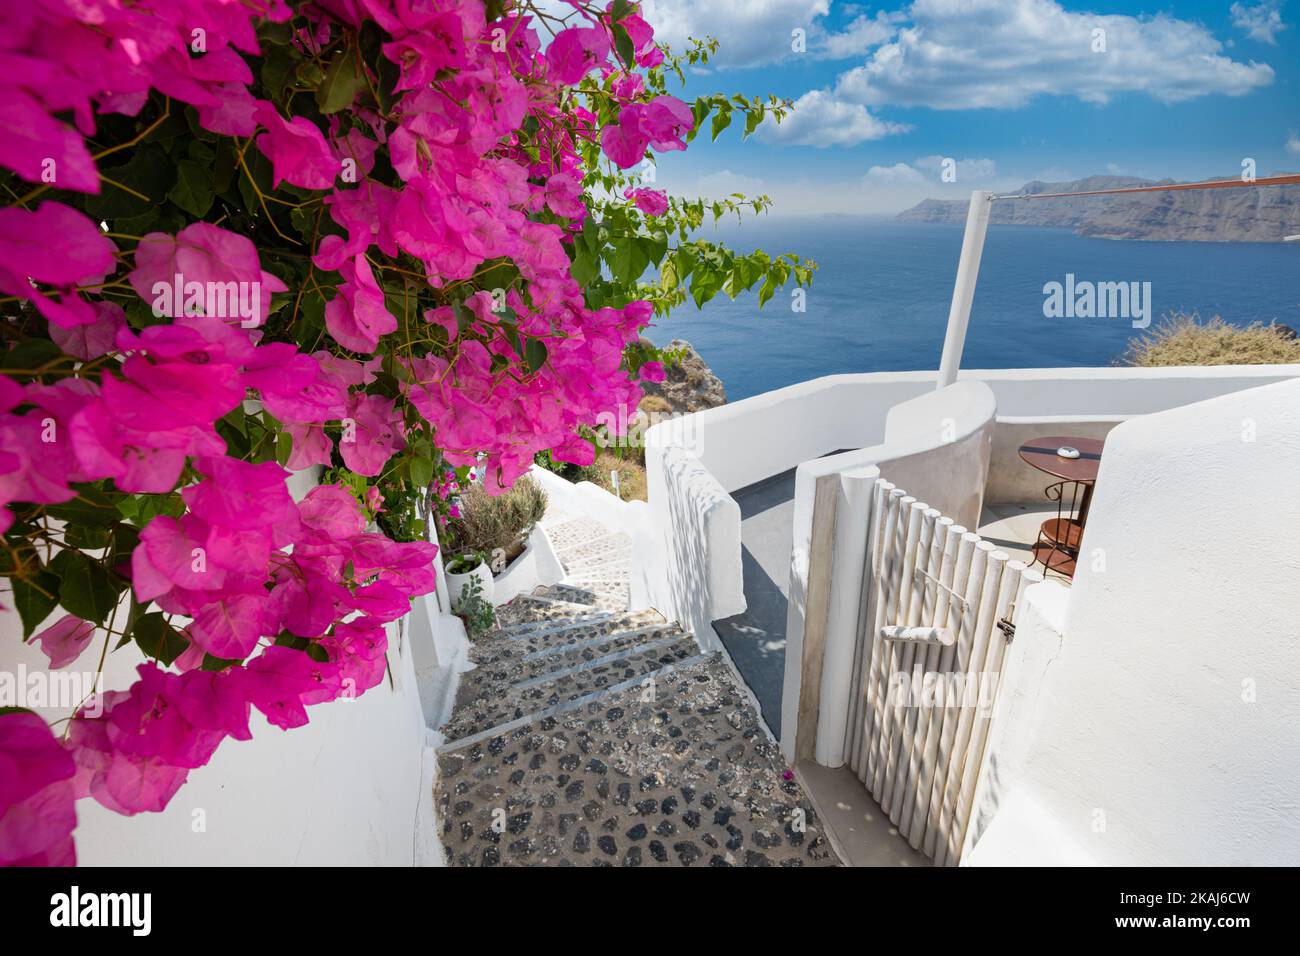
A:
575, 532
612, 565
687, 777
482, 712
603, 598
529, 609
612, 547
506, 660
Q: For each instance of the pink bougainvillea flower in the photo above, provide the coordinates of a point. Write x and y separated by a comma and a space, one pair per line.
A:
357, 316
652, 202
278, 680
297, 150
230, 626
564, 196
381, 601
37, 815
146, 722
173, 554
575, 52
124, 783
372, 434
628, 86
311, 446
360, 149
241, 495
65, 639
93, 339
652, 372
666, 120
357, 648
213, 258
41, 149
214, 701
331, 513
624, 142
235, 113
439, 44
57, 246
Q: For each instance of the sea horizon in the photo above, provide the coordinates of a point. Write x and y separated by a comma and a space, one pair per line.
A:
880, 298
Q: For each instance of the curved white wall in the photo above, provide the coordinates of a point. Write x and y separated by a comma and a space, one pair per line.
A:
1166, 729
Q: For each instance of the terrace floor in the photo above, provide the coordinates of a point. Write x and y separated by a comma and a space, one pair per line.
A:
755, 639
1014, 529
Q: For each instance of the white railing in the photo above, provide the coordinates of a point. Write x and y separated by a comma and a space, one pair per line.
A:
940, 604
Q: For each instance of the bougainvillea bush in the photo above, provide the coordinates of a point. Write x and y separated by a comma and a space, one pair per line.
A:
242, 238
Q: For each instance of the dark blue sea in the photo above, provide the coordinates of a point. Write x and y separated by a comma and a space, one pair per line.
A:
880, 299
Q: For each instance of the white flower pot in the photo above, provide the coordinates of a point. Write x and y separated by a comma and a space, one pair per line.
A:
456, 583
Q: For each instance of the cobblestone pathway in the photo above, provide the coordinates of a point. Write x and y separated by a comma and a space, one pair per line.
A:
589, 735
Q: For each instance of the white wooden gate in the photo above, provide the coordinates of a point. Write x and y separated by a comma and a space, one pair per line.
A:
939, 608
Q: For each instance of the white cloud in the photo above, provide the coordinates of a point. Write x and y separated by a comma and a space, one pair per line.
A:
1262, 22
970, 54
749, 32
898, 174
1293, 144
968, 170
724, 183
821, 119
860, 36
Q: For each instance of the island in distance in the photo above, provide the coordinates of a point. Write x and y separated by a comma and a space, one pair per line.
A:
1262, 214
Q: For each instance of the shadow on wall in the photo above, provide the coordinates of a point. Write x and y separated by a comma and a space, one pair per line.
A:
698, 519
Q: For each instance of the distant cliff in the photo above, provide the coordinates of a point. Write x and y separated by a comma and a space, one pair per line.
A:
1265, 214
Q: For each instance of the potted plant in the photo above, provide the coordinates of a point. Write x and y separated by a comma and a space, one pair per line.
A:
462, 569
497, 527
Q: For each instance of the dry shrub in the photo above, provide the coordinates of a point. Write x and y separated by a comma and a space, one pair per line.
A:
1185, 340
504, 521
631, 475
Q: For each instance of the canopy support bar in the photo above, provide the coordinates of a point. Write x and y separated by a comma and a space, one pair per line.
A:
963, 294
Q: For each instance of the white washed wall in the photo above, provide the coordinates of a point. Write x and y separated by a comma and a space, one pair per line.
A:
1165, 728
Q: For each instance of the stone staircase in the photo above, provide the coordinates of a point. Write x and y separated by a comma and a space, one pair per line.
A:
591, 735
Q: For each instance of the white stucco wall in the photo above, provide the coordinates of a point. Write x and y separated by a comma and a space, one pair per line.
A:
353, 787
1167, 727
689, 561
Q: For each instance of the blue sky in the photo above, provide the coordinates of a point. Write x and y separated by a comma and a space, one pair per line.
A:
1012, 90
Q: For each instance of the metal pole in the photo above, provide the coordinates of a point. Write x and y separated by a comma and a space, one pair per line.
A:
968, 270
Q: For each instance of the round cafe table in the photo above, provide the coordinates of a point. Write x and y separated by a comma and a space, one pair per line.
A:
1058, 538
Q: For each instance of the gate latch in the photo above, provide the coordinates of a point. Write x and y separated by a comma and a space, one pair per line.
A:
1007, 628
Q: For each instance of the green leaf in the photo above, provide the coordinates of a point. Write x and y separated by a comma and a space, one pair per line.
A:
90, 507
721, 120
158, 639
283, 447
535, 353
341, 85
86, 589
623, 44
34, 598
193, 189
629, 261
32, 354
149, 172
421, 472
